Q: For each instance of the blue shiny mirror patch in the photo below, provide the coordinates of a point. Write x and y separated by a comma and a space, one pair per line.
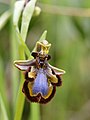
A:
41, 83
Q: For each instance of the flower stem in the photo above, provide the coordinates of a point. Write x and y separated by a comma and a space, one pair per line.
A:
35, 111
20, 97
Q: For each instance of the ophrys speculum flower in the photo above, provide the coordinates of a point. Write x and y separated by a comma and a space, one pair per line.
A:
41, 78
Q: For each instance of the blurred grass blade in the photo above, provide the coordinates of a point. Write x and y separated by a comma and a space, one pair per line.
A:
26, 17
3, 113
3, 87
17, 11
4, 18
3, 7
2, 81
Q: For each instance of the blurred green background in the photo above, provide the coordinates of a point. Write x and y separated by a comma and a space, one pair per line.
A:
70, 39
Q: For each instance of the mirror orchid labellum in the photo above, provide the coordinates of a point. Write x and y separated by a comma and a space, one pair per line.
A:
41, 79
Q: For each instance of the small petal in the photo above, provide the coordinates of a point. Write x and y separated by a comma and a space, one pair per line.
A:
24, 64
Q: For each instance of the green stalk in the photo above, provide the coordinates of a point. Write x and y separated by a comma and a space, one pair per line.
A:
20, 97
14, 55
35, 111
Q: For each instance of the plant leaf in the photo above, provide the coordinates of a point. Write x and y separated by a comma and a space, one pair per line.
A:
4, 18
17, 11
26, 18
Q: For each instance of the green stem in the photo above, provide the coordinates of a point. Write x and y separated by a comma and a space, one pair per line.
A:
35, 111
14, 55
20, 97
20, 101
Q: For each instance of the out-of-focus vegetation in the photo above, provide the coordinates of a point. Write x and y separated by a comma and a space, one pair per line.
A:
70, 38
